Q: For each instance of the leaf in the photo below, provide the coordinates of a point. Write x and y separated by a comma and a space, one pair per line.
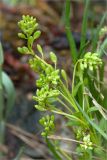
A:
92, 109
10, 92
75, 89
95, 126
2, 131
72, 44
96, 36
102, 48
1, 54
84, 26
103, 124
53, 57
37, 34
97, 105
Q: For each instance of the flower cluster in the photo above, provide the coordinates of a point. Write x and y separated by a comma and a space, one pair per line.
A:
91, 61
87, 142
47, 92
48, 76
48, 124
28, 25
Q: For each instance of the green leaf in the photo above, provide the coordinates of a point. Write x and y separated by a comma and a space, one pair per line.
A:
92, 109
53, 57
21, 35
72, 44
37, 34
103, 48
94, 125
75, 89
1, 54
2, 132
84, 26
10, 93
96, 36
103, 124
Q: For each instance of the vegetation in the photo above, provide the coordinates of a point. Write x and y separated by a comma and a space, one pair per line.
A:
7, 98
83, 106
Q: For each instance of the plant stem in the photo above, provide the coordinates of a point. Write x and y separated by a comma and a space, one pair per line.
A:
65, 105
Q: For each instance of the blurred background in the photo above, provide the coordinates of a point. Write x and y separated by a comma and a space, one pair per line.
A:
22, 134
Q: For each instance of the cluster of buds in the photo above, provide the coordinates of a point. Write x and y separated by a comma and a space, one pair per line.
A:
48, 124
45, 96
28, 25
90, 61
87, 144
48, 81
50, 76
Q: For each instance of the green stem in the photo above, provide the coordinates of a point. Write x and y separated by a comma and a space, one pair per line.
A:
53, 150
65, 105
68, 116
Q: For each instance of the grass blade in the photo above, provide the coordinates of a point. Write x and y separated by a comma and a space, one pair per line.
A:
10, 92
95, 126
84, 27
18, 157
1, 55
71, 41
102, 49
96, 36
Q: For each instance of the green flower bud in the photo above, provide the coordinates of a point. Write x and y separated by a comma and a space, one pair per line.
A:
53, 57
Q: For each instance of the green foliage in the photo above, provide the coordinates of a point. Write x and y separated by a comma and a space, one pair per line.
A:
6, 103
83, 106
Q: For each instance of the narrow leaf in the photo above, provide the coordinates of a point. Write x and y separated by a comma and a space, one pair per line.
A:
10, 92
1, 54
84, 25
72, 44
95, 126
96, 35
